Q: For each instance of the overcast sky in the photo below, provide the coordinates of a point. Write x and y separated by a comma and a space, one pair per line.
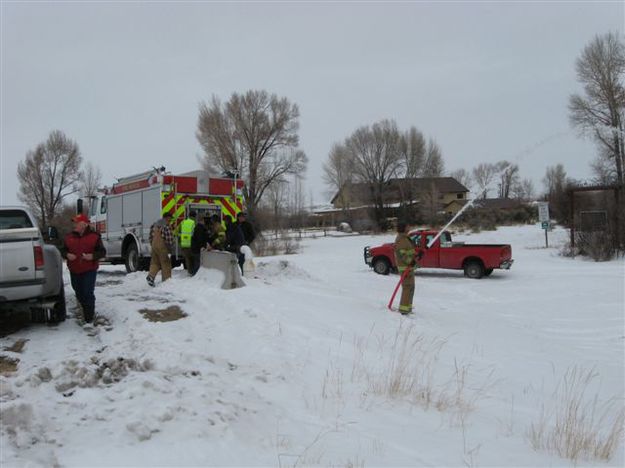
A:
486, 80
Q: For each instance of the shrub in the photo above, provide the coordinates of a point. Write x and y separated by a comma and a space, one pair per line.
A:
283, 245
596, 245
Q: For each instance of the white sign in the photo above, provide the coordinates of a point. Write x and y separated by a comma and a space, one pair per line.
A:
543, 212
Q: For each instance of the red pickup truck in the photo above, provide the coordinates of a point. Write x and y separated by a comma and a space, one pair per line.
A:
476, 260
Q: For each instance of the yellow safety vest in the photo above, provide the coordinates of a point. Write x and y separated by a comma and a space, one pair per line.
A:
186, 231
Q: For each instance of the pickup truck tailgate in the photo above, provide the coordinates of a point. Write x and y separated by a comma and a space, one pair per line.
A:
16, 251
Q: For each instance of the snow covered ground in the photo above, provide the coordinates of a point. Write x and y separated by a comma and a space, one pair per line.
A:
306, 366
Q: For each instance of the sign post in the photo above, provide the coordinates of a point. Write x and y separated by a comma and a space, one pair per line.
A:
543, 217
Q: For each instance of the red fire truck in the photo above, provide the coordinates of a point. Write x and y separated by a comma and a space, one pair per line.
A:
124, 213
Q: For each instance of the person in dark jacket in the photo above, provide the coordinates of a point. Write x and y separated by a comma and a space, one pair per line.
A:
234, 240
246, 227
199, 241
83, 248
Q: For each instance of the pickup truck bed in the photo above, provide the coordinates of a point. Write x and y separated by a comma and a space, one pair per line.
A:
31, 273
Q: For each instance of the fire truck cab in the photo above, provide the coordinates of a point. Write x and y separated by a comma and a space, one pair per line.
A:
124, 213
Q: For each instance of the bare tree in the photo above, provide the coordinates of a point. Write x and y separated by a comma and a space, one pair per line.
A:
276, 199
338, 173
556, 183
603, 168
484, 174
600, 111
91, 181
413, 149
434, 165
508, 177
463, 176
254, 134
49, 174
296, 202
376, 155
523, 190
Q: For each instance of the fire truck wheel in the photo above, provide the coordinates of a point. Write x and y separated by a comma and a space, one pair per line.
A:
131, 258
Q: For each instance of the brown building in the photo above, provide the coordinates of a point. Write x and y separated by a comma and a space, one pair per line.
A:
433, 190
353, 202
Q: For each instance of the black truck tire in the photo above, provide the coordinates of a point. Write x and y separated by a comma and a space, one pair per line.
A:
381, 266
474, 269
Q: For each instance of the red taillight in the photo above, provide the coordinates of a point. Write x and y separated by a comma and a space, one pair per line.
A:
505, 253
38, 252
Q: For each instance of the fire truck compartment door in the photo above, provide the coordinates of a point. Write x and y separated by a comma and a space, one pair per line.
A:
152, 209
132, 212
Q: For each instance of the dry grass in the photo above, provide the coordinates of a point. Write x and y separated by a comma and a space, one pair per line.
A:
408, 372
576, 427
8, 365
17, 347
168, 314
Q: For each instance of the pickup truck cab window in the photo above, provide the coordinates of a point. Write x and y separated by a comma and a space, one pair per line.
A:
446, 240
416, 239
14, 219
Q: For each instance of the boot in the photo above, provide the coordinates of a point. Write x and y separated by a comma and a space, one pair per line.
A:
89, 312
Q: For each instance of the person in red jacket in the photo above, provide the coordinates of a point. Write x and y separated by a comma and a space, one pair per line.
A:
83, 249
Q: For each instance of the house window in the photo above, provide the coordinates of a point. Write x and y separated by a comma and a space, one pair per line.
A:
460, 195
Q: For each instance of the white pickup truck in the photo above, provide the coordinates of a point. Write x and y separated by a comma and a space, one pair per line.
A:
31, 272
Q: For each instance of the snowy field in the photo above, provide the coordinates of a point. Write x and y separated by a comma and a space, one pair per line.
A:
306, 366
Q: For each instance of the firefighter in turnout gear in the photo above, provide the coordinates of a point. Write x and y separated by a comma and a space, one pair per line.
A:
186, 232
217, 237
405, 260
162, 242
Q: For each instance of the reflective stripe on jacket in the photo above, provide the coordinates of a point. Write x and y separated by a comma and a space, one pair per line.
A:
218, 236
186, 232
404, 252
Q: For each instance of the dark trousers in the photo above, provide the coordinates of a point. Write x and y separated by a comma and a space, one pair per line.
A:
241, 257
195, 263
83, 285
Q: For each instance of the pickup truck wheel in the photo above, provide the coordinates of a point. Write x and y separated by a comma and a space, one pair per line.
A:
131, 259
59, 312
381, 266
474, 270
488, 271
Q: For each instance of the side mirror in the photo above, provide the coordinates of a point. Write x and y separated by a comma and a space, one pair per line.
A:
53, 234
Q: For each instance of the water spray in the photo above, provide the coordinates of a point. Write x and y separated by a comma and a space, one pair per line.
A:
498, 176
